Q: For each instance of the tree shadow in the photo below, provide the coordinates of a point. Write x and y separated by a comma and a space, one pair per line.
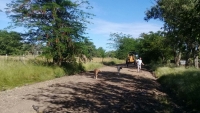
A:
110, 93
132, 66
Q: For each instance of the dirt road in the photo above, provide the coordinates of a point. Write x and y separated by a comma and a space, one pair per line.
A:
129, 92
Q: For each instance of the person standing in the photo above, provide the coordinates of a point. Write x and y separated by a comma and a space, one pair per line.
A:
139, 63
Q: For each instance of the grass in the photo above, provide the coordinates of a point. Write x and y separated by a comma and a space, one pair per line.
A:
15, 72
108, 60
182, 83
97, 63
113, 61
92, 65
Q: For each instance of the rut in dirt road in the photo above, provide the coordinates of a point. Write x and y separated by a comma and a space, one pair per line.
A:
129, 92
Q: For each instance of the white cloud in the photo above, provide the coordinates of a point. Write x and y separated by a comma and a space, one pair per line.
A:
102, 27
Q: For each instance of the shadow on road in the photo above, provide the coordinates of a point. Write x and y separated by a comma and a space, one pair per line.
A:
110, 93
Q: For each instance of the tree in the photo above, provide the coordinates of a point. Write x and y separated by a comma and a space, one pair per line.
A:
123, 44
86, 50
181, 21
89, 49
154, 47
57, 23
111, 54
10, 43
101, 52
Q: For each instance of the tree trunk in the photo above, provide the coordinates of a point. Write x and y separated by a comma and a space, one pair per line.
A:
187, 59
178, 58
196, 63
102, 60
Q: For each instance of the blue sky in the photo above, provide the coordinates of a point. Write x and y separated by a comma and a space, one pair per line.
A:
112, 16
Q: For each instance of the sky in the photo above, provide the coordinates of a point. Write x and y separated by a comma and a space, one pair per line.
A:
111, 16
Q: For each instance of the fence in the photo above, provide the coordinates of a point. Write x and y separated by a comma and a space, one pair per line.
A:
21, 58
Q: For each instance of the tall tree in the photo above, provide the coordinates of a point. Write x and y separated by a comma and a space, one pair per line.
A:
181, 21
57, 23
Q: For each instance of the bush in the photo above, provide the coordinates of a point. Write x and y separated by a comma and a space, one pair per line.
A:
73, 68
182, 83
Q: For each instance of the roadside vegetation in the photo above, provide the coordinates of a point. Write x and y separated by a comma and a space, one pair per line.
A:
181, 42
59, 38
182, 84
15, 72
97, 63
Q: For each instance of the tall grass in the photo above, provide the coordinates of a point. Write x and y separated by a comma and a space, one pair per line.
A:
108, 59
183, 83
17, 73
114, 61
97, 63
160, 71
92, 65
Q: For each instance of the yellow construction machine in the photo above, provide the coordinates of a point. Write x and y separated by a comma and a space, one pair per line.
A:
131, 58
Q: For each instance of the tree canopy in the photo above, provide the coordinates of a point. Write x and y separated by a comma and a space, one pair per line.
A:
154, 47
10, 43
58, 24
123, 44
181, 23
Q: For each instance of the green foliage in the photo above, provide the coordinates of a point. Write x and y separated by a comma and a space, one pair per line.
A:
59, 24
10, 43
181, 23
26, 47
73, 68
86, 48
183, 84
123, 44
111, 54
153, 47
101, 53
